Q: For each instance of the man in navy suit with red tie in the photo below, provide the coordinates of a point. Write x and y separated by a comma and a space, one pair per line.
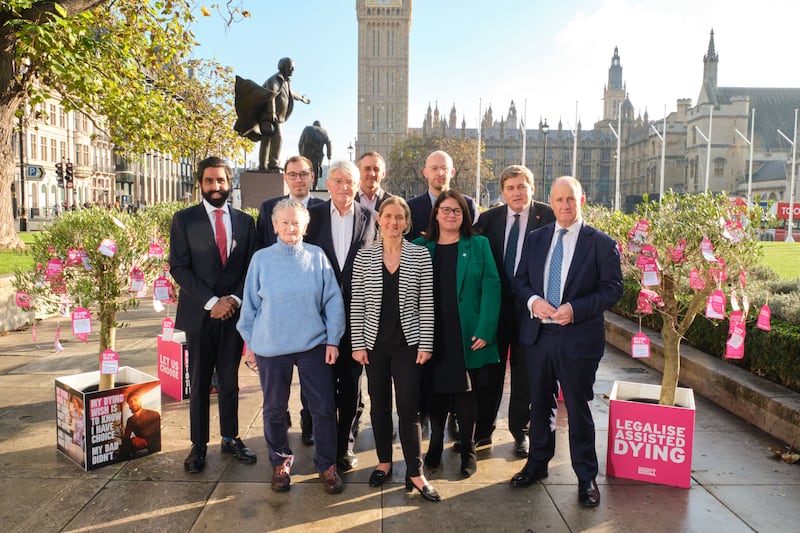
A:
210, 249
569, 274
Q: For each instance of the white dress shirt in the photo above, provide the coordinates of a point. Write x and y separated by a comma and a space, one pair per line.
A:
342, 232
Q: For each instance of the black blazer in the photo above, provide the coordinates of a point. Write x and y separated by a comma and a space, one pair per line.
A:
421, 208
196, 266
266, 232
319, 233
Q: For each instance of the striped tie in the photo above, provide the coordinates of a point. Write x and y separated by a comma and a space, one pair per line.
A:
554, 279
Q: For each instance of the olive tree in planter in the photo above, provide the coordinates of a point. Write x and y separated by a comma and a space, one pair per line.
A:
691, 255
90, 275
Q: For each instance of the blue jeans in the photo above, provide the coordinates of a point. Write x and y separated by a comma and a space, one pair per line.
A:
316, 384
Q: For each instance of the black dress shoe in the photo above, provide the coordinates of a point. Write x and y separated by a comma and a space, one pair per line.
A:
428, 492
196, 460
522, 446
237, 448
526, 478
378, 477
483, 441
588, 493
348, 461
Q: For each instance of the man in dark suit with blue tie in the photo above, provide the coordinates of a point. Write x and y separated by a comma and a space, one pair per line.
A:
341, 227
298, 175
210, 249
569, 274
506, 227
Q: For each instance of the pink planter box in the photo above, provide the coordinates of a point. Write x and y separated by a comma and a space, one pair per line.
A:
173, 366
650, 442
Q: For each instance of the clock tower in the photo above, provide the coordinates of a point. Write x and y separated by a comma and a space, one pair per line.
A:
383, 43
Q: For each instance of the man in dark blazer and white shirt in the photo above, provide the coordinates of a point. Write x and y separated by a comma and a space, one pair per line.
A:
438, 172
298, 175
210, 249
507, 242
341, 227
372, 170
569, 274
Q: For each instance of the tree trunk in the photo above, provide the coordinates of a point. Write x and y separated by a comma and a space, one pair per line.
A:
108, 338
10, 101
672, 364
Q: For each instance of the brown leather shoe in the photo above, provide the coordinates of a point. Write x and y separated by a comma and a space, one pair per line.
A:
331, 481
280, 476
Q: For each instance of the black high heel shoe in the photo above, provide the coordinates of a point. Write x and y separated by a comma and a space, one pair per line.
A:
378, 477
428, 492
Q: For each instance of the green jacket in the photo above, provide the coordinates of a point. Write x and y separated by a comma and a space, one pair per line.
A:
478, 292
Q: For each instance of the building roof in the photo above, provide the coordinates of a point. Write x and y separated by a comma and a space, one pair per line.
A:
770, 170
774, 109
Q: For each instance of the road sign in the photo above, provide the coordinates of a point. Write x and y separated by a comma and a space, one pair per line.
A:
34, 173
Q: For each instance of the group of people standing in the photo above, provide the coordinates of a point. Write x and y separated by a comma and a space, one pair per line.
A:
426, 295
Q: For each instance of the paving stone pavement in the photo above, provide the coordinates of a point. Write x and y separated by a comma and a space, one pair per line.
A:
736, 484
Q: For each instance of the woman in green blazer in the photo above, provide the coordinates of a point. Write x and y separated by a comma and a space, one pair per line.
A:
466, 289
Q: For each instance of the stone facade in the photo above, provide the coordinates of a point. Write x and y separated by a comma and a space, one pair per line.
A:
383, 50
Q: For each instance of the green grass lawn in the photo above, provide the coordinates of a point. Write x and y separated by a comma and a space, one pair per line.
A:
783, 258
10, 261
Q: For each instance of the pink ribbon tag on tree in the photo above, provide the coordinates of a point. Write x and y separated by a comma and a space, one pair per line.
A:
641, 230
733, 231
57, 340
708, 250
107, 247
155, 251
109, 362
640, 345
718, 272
734, 347
678, 252
54, 269
87, 263
23, 300
137, 280
73, 257
715, 305
763, 318
161, 289
81, 323
734, 318
743, 279
650, 274
167, 329
696, 281
643, 305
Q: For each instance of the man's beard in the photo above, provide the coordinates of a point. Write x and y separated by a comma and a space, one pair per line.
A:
216, 202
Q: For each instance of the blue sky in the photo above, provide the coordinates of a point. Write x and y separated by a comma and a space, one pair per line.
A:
546, 56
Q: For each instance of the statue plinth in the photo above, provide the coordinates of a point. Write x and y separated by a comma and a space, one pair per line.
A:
259, 186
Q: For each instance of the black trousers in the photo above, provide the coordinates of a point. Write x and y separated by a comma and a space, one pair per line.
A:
217, 346
463, 404
398, 364
347, 382
491, 395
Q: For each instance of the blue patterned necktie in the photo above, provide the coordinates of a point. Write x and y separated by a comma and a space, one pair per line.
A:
554, 279
511, 247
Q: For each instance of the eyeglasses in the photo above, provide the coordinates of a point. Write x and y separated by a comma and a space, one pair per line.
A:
447, 211
299, 176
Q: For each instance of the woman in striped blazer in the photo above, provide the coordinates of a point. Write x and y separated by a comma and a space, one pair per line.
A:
391, 320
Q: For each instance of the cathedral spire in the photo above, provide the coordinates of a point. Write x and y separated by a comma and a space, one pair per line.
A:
710, 62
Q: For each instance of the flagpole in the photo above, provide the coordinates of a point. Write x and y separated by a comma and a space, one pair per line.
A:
524, 133
478, 173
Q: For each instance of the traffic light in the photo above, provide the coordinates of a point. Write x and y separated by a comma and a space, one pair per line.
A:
60, 174
68, 175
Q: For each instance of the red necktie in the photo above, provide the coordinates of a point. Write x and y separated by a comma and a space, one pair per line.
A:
222, 239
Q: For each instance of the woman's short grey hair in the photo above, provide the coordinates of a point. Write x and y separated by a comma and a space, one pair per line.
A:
291, 203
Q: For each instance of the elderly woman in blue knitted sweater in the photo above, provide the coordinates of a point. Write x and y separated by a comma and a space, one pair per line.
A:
293, 314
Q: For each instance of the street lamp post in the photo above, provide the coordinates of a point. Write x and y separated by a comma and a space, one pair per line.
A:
750, 142
618, 134
350, 151
793, 142
545, 131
